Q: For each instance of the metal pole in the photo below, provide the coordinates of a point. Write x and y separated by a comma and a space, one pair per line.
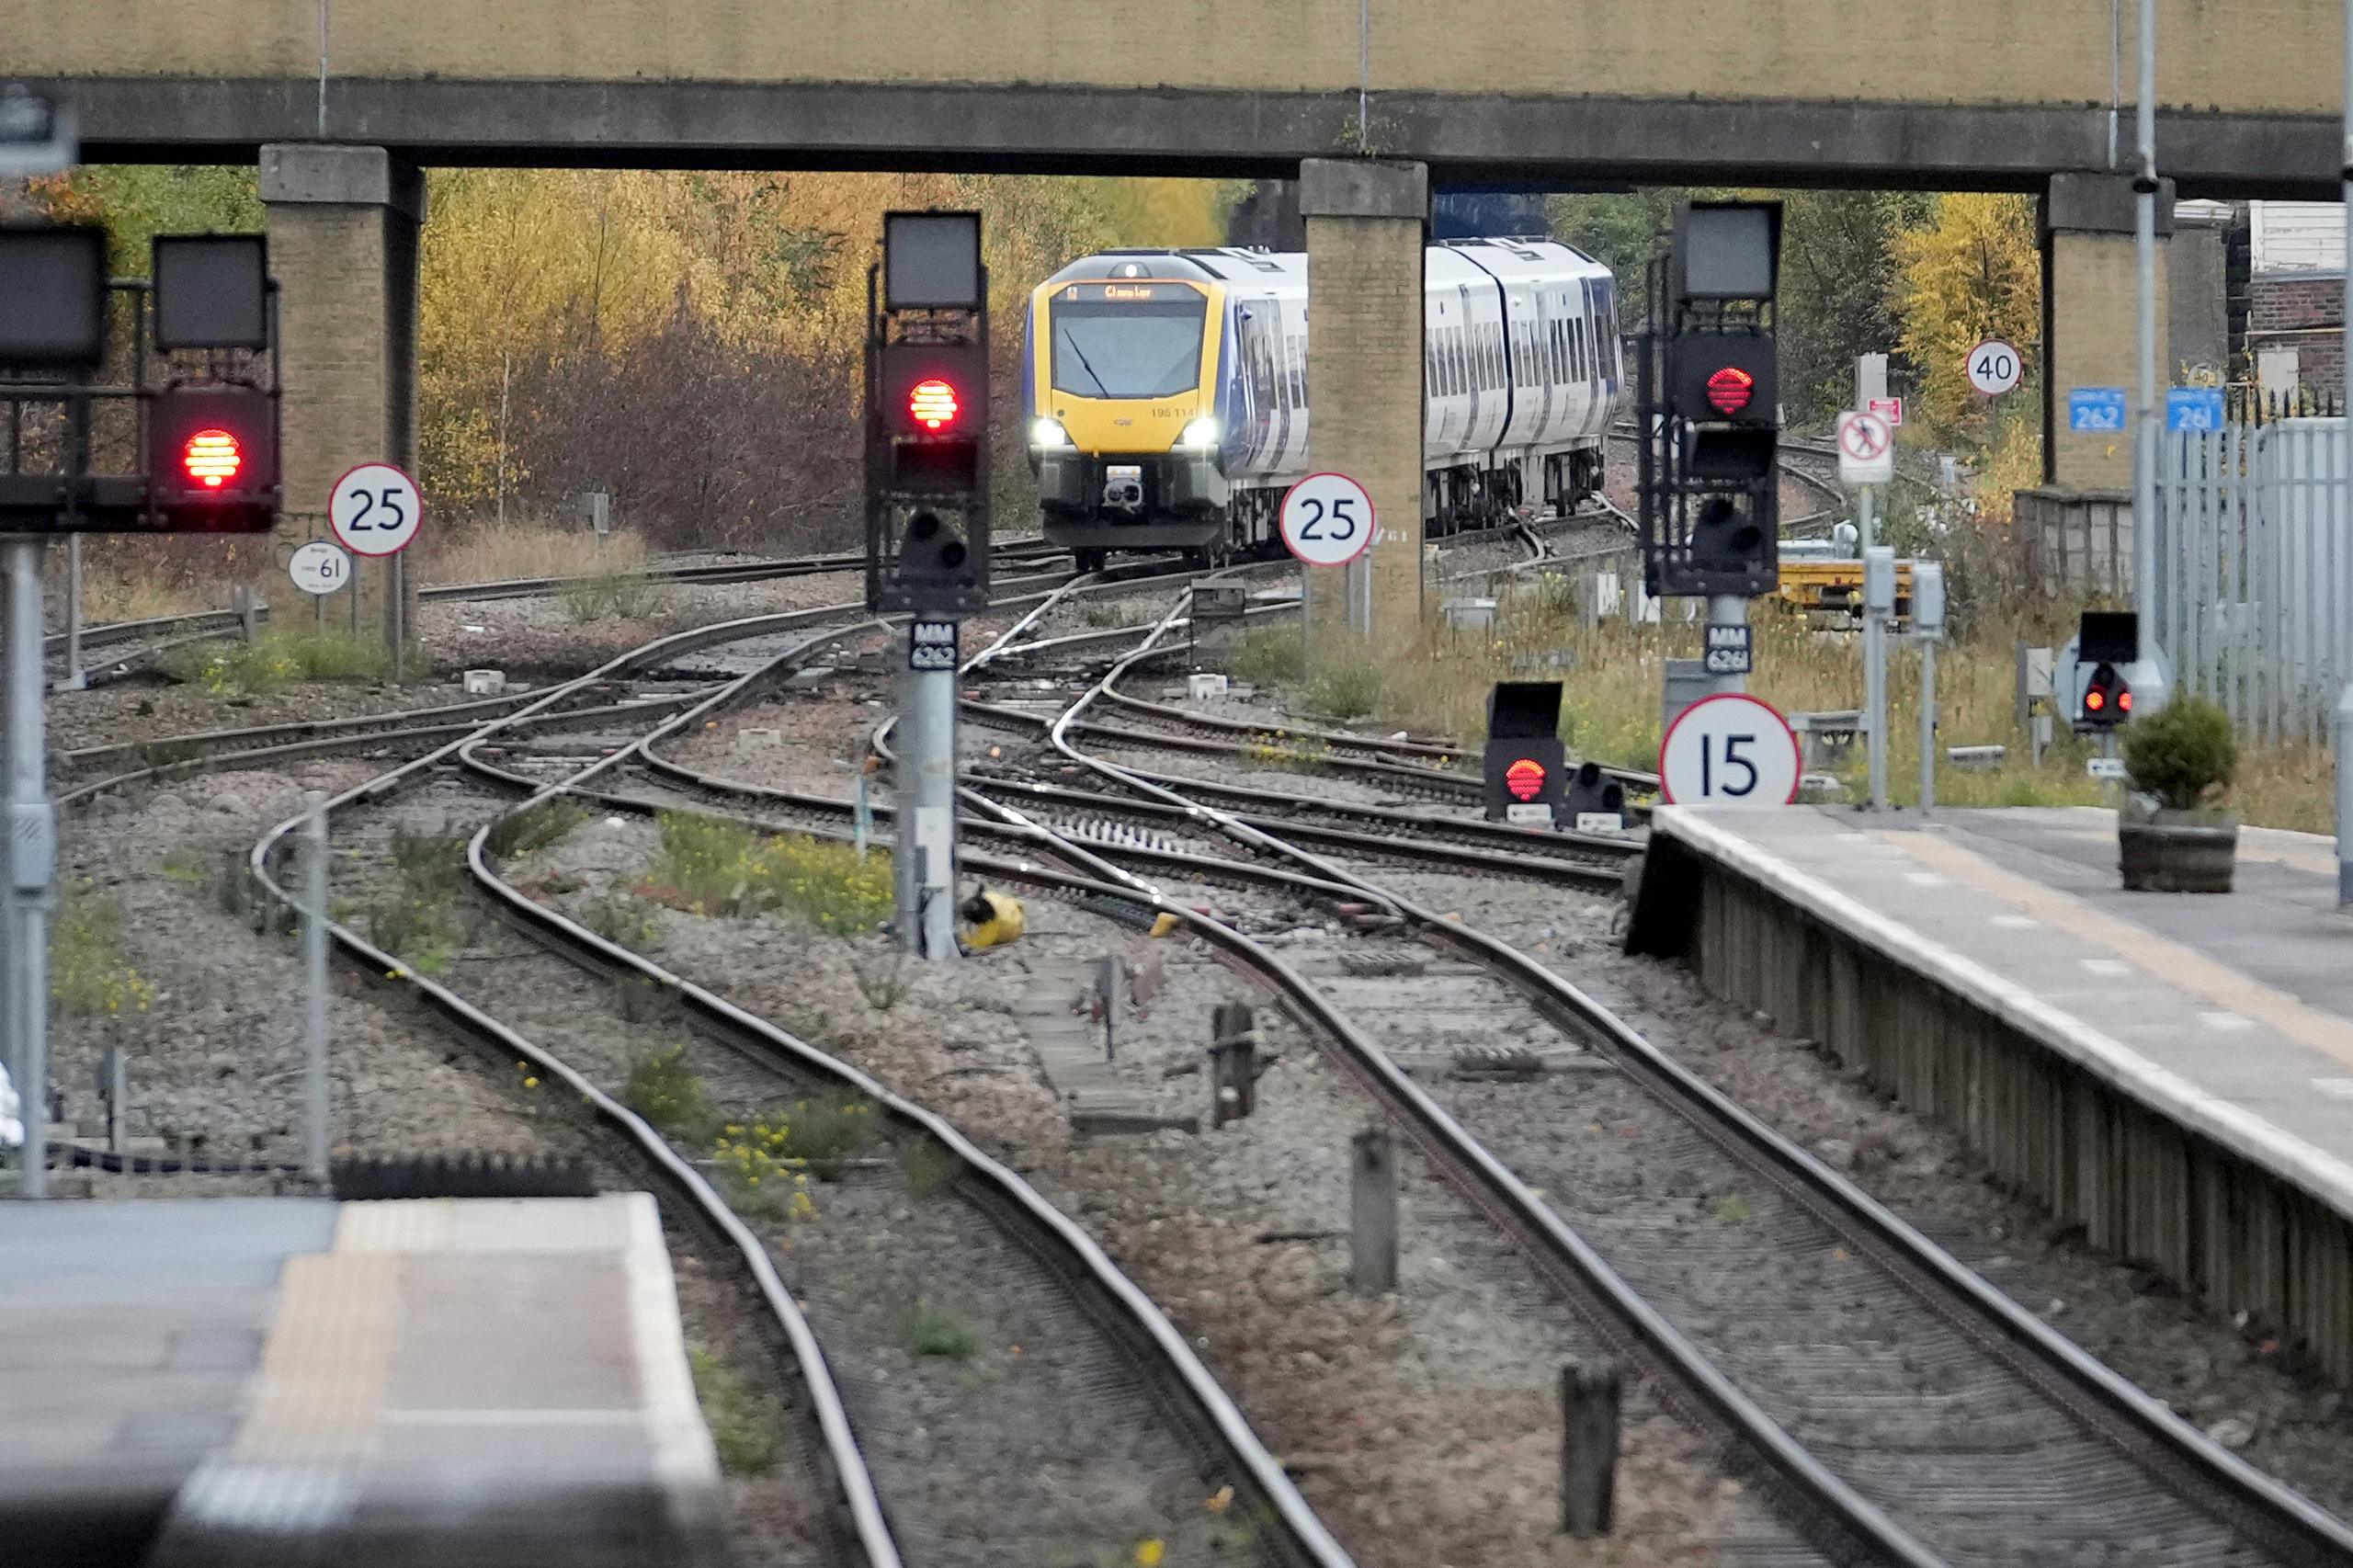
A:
1874, 659
2344, 801
2345, 426
75, 677
400, 617
31, 850
314, 988
1731, 609
1928, 723
2145, 444
926, 811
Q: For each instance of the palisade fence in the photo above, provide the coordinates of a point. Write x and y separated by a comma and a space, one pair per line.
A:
2254, 597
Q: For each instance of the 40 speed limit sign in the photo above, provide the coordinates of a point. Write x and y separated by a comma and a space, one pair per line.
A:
1994, 368
1729, 750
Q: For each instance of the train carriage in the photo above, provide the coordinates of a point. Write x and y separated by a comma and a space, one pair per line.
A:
1167, 390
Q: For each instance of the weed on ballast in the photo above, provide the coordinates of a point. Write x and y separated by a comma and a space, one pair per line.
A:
421, 920
608, 593
927, 1328
827, 1133
241, 895
278, 658
1292, 756
672, 1098
758, 1171
89, 976
621, 919
183, 866
881, 978
1732, 1210
1268, 658
534, 827
641, 999
712, 867
1345, 688
930, 1168
744, 1424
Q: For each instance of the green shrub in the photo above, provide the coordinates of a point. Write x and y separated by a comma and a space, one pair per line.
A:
2183, 753
826, 1133
710, 865
672, 1098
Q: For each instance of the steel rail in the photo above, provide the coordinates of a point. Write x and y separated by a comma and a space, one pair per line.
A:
1310, 1543
2121, 1414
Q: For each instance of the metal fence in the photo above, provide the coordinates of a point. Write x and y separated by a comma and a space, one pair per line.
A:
2254, 602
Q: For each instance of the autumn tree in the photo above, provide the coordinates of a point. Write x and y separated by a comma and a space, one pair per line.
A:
1970, 272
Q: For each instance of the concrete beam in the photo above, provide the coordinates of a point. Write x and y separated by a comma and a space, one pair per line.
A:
350, 176
1339, 188
1532, 142
2101, 204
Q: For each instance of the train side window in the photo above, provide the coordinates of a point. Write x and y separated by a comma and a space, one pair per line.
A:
1577, 343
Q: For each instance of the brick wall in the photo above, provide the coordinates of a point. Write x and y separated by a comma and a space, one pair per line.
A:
2093, 320
1364, 384
2305, 312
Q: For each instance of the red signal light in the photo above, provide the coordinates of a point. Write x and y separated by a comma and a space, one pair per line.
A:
212, 458
2124, 701
1524, 778
1730, 389
932, 404
2095, 699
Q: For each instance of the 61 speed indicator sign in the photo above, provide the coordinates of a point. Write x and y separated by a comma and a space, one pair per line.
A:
1729, 750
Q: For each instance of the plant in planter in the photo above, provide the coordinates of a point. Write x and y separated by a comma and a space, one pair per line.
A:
2183, 756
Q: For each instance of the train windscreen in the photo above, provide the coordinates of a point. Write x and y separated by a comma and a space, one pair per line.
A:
1141, 341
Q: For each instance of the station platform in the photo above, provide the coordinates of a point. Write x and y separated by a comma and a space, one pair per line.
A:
2175, 1071
258, 1382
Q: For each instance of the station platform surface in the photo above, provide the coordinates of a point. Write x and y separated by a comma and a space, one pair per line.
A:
2232, 1013
278, 1380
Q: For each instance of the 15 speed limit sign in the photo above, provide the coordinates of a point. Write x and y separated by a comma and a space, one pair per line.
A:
1328, 520
1994, 368
375, 510
1729, 750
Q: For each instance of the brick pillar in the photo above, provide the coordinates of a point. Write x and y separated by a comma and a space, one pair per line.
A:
2090, 310
1366, 224
343, 243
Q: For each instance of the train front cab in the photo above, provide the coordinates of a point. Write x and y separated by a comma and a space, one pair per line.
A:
1124, 435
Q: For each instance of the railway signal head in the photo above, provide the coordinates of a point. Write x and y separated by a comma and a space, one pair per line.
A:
2108, 698
1727, 540
212, 459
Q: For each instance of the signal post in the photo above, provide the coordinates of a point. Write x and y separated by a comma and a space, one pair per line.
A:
208, 465
928, 527
1710, 406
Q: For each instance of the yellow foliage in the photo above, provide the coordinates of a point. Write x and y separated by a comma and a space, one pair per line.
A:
541, 266
1971, 273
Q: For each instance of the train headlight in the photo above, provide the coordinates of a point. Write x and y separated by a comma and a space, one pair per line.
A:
1200, 436
1048, 435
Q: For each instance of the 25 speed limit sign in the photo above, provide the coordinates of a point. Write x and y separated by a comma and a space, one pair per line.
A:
1994, 368
1328, 520
375, 510
1729, 750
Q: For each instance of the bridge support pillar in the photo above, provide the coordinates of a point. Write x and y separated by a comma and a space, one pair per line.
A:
1366, 223
2075, 533
343, 242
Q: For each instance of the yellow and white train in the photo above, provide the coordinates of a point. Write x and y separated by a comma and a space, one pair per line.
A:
1167, 390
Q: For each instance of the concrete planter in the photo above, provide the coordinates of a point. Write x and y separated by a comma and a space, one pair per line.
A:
2168, 851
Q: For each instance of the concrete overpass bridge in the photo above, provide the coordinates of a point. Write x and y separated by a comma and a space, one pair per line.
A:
341, 101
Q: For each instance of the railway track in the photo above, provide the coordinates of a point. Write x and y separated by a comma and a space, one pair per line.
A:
1148, 1406
1900, 1406
114, 649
